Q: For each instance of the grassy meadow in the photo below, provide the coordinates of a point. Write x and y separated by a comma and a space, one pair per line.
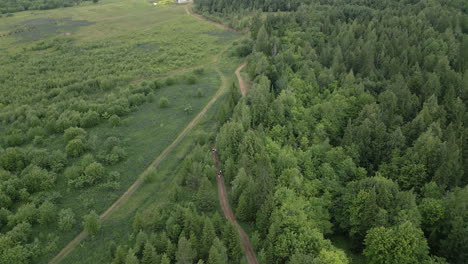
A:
159, 190
98, 67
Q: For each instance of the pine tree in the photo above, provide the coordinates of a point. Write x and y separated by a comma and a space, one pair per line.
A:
218, 253
120, 256
208, 235
131, 258
165, 259
233, 244
262, 43
149, 255
184, 254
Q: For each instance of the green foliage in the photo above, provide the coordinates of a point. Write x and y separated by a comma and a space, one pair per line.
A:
90, 119
331, 257
400, 244
208, 234
73, 133
26, 213
163, 102
218, 253
184, 254
165, 259
188, 109
149, 254
94, 172
47, 213
7, 6
75, 148
114, 120
66, 219
262, 43
12, 159
131, 258
232, 241
205, 196
92, 224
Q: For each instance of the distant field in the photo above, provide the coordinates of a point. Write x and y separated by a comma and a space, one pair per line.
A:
99, 67
121, 40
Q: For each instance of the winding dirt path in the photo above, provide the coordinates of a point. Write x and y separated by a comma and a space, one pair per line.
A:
222, 194
229, 214
242, 85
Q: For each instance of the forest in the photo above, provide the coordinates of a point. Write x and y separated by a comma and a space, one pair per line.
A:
350, 146
12, 6
356, 126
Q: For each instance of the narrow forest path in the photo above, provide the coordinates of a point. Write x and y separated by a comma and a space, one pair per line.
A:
229, 214
222, 194
242, 85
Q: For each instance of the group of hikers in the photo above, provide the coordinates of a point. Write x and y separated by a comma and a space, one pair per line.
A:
214, 150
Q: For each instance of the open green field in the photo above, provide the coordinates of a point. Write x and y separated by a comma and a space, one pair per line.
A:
158, 191
99, 67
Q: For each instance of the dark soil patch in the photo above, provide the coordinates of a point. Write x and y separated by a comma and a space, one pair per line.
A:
43, 28
148, 46
221, 35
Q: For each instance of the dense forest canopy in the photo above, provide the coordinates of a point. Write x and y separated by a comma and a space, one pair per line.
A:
354, 128
355, 125
11, 6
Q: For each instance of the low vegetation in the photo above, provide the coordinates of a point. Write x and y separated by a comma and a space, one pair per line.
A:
81, 120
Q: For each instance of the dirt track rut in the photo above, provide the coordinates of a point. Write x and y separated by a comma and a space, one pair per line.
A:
229, 214
222, 194
242, 85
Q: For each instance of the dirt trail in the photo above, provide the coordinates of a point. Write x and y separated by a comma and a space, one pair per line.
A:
222, 195
242, 86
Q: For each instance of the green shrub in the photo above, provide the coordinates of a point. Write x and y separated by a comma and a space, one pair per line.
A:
37, 179
75, 148
199, 93
73, 133
188, 109
66, 219
136, 99
90, 119
114, 120
191, 79
157, 85
91, 223
163, 102
170, 81
12, 159
199, 71
94, 173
